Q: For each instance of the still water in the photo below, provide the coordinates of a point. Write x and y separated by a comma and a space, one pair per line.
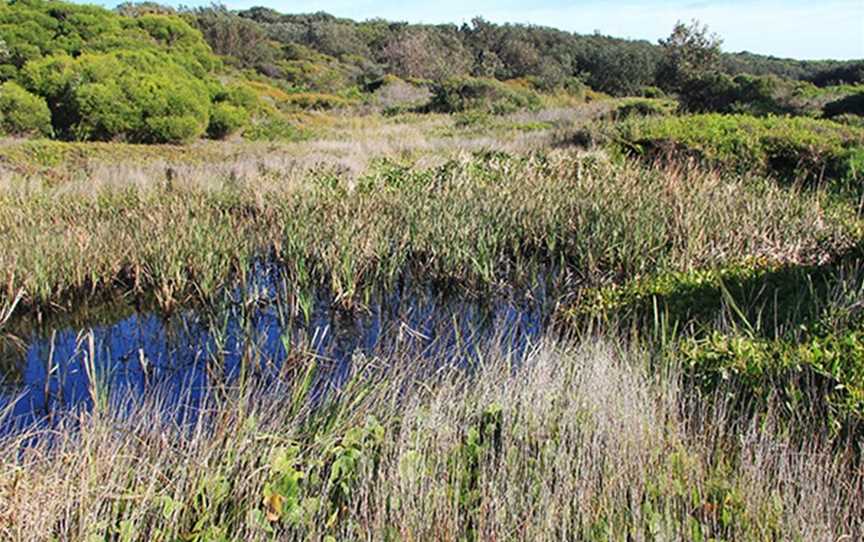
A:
260, 329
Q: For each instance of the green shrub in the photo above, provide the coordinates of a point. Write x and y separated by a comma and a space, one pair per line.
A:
720, 93
225, 120
469, 119
104, 76
316, 101
273, 129
241, 95
467, 93
643, 107
652, 92
849, 120
22, 113
103, 112
848, 105
786, 146
140, 96
172, 129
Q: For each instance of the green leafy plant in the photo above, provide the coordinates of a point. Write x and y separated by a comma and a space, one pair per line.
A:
23, 113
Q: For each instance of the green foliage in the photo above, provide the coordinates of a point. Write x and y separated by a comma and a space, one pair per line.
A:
474, 93
482, 49
643, 107
140, 97
240, 95
842, 73
273, 128
315, 101
427, 54
720, 93
849, 105
22, 113
690, 52
789, 147
482, 440
652, 92
829, 365
244, 41
226, 120
109, 77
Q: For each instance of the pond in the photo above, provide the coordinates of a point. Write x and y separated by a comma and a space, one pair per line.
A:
258, 329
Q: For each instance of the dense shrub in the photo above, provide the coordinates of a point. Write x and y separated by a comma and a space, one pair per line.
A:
643, 107
719, 93
789, 147
135, 96
315, 100
426, 54
273, 128
469, 93
226, 120
108, 77
502, 51
22, 113
651, 92
234, 36
848, 73
239, 95
308, 69
848, 105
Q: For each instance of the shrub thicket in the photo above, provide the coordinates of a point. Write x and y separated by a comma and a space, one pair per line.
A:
792, 147
852, 104
104, 76
22, 113
226, 120
485, 94
720, 93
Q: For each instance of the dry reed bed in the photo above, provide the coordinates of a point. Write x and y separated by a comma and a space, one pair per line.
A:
581, 442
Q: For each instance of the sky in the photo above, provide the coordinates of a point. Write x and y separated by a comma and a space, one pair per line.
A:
800, 29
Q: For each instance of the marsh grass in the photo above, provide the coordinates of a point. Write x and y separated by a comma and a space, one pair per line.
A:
579, 439
641, 424
184, 232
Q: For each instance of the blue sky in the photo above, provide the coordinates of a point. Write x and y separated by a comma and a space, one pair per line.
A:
793, 28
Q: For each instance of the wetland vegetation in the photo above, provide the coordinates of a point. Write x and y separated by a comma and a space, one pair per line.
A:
318, 284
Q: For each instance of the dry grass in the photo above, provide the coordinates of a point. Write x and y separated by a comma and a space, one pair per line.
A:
580, 443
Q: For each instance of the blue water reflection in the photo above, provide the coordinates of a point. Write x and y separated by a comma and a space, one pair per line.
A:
258, 330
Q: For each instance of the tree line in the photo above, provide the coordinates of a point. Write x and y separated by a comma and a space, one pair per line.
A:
148, 73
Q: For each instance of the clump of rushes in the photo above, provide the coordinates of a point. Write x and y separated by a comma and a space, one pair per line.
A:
478, 219
583, 442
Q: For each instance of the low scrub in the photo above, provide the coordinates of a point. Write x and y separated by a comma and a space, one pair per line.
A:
23, 113
316, 101
477, 93
790, 148
852, 104
641, 107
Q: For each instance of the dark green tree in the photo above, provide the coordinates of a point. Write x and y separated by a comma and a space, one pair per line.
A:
690, 52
